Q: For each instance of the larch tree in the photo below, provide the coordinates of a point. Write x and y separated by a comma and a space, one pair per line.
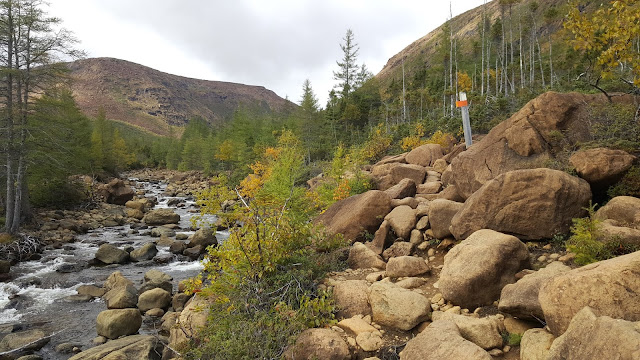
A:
31, 43
348, 66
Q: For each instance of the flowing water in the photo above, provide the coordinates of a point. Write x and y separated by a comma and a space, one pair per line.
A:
36, 297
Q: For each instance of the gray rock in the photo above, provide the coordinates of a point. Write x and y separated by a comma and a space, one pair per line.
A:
154, 298
146, 252
115, 323
110, 254
139, 347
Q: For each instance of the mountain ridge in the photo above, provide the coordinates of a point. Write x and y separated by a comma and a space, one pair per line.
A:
156, 100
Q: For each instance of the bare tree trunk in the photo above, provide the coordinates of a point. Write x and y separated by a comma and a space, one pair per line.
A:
522, 78
550, 61
404, 103
10, 200
482, 45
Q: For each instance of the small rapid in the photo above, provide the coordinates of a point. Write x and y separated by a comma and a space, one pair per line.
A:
38, 294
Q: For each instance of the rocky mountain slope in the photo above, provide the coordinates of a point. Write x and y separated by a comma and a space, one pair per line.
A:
153, 100
465, 27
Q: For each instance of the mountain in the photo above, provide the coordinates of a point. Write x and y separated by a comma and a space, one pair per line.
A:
153, 100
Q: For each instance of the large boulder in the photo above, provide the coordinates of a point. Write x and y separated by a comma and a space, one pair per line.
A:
146, 252
441, 212
441, 340
399, 308
530, 204
484, 332
121, 297
357, 214
601, 167
203, 237
525, 140
191, 320
609, 232
425, 155
351, 298
139, 347
28, 340
609, 287
405, 188
318, 344
521, 299
115, 192
403, 266
388, 175
535, 344
591, 337
154, 298
161, 217
402, 220
110, 254
476, 270
115, 280
115, 323
623, 210
362, 257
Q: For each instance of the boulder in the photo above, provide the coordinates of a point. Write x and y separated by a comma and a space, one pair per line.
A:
609, 232
177, 247
115, 323
405, 188
623, 210
318, 344
388, 175
142, 347
156, 284
402, 220
381, 238
597, 337
403, 266
179, 300
161, 217
115, 280
146, 252
90, 290
440, 165
135, 213
136, 205
351, 298
31, 340
531, 204
425, 155
526, 140
476, 270
397, 307
521, 299
203, 237
356, 325
369, 341
154, 298
535, 344
609, 287
399, 248
193, 252
601, 167
362, 257
441, 340
115, 192
441, 212
162, 232
433, 187
356, 214
110, 254
450, 193
121, 297
156, 275
192, 318
484, 332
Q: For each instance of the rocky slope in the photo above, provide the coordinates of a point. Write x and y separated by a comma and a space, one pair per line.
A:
153, 100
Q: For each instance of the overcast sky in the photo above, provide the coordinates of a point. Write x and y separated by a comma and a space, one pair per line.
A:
273, 43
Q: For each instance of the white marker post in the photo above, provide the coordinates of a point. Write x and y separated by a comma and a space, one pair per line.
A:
463, 104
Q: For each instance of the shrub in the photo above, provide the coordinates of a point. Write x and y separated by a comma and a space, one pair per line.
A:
265, 276
584, 240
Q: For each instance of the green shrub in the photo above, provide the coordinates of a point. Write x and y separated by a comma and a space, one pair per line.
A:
56, 193
514, 339
584, 240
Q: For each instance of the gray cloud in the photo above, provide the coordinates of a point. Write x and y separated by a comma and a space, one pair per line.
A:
278, 44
